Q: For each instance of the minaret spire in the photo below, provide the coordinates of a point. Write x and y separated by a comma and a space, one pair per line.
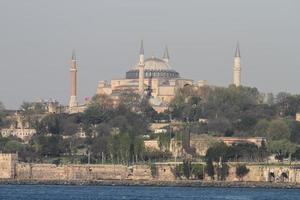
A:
141, 70
73, 55
142, 48
237, 67
73, 82
166, 56
237, 50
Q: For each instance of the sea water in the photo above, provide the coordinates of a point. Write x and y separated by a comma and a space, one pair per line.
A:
64, 192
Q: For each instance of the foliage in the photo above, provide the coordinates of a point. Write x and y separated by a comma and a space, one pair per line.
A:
198, 171
278, 130
164, 140
241, 171
216, 152
153, 169
210, 168
155, 156
190, 170
222, 171
33, 107
13, 146
282, 148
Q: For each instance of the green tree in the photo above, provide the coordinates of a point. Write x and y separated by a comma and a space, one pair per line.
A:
282, 148
241, 171
261, 128
217, 151
295, 131
278, 130
245, 151
210, 168
187, 168
13, 147
198, 171
222, 171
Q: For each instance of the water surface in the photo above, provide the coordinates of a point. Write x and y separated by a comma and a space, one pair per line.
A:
63, 192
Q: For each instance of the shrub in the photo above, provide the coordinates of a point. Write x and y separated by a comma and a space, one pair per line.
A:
241, 171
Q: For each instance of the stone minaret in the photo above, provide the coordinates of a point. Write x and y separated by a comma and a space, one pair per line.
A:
237, 67
73, 82
141, 70
166, 56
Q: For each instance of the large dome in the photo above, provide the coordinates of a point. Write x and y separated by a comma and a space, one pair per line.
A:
155, 64
154, 68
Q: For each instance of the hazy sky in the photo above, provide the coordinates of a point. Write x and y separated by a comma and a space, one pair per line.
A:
37, 38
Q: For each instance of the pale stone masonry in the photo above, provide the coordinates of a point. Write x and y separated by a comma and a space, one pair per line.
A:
237, 67
10, 168
8, 164
73, 82
152, 77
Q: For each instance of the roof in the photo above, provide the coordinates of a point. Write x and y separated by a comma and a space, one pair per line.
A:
155, 64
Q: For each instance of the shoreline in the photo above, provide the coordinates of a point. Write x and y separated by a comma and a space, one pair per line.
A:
177, 183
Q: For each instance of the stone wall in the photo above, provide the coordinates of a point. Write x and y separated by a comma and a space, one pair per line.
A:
10, 168
165, 171
70, 172
8, 165
141, 172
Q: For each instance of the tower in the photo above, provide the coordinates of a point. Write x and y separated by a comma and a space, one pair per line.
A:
141, 70
237, 67
73, 82
166, 56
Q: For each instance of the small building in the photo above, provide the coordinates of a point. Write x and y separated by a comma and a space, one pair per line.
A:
22, 133
152, 145
298, 117
230, 140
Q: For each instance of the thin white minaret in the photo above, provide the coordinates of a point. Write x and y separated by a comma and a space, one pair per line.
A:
73, 82
237, 67
141, 70
166, 56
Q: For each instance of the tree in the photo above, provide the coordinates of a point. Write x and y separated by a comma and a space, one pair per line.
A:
278, 130
217, 151
13, 147
243, 152
222, 171
295, 131
241, 171
198, 171
287, 104
187, 168
52, 123
130, 100
3, 121
282, 148
210, 168
261, 128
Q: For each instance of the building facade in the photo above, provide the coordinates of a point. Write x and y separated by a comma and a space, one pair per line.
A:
152, 77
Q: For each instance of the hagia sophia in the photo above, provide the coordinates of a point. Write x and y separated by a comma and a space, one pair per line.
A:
152, 76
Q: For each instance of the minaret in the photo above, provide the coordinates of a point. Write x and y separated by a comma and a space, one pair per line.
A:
73, 82
141, 70
166, 56
237, 67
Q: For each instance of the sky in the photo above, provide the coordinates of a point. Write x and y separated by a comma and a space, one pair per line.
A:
37, 38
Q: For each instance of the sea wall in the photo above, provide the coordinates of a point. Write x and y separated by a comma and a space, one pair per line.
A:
10, 168
81, 172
